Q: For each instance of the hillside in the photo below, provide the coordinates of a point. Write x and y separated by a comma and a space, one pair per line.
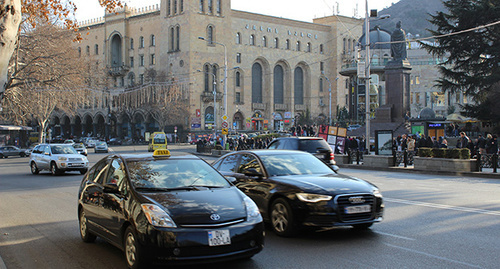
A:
413, 14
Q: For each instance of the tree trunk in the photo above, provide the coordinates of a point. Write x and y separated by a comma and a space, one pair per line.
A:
10, 18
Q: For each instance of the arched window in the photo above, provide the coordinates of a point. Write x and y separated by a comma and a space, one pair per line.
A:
209, 115
308, 46
177, 37
210, 34
141, 42
87, 50
276, 43
206, 72
152, 41
297, 47
256, 83
278, 84
264, 41
344, 48
238, 38
349, 46
215, 70
116, 50
252, 40
298, 89
287, 45
321, 49
96, 49
238, 78
131, 79
172, 39
175, 6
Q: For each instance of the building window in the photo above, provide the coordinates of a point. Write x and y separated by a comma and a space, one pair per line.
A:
141, 60
177, 37
238, 38
344, 47
219, 7
153, 41
131, 61
210, 6
287, 44
297, 46
131, 43
321, 49
252, 40
320, 84
175, 6
141, 42
321, 66
202, 6
168, 7
309, 47
181, 6
279, 88
131, 79
276, 43
238, 57
257, 83
206, 71
141, 79
210, 34
299, 86
88, 50
417, 80
238, 78
172, 39
152, 59
264, 41
96, 49
79, 52
238, 98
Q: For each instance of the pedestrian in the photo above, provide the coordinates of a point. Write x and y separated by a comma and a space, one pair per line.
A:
463, 141
481, 144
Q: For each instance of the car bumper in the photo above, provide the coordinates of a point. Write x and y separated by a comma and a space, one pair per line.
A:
331, 214
72, 166
190, 245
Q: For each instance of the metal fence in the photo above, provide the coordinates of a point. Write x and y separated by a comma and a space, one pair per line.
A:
487, 161
404, 157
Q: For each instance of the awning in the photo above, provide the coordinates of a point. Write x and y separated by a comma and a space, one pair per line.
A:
14, 128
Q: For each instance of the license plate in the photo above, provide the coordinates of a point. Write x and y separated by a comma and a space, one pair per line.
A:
357, 209
219, 238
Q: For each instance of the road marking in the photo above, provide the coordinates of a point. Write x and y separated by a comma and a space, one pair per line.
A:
441, 206
433, 256
394, 235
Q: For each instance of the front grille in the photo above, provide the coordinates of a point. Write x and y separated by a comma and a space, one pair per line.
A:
75, 159
360, 199
213, 225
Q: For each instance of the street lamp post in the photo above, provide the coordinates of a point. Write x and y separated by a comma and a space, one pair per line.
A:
225, 79
367, 78
215, 102
330, 99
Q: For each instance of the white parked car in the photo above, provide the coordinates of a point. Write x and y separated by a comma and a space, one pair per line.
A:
57, 158
101, 146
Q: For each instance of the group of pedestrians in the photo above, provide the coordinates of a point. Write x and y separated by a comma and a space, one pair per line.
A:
311, 130
481, 145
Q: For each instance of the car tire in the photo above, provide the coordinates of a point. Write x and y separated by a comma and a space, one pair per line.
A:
364, 226
85, 234
34, 169
133, 249
22, 154
1, 156
54, 170
83, 171
282, 219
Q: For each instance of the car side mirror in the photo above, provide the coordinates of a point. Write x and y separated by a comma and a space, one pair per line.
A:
335, 168
47, 153
232, 179
111, 188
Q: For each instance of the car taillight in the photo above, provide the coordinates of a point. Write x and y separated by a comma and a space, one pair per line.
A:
332, 156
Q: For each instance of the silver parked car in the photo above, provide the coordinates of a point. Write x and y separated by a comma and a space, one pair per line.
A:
80, 148
57, 158
6, 151
101, 146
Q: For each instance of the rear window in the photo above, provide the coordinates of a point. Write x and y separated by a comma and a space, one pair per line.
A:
313, 145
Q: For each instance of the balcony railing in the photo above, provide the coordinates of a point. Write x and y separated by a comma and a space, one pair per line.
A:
280, 107
208, 97
260, 106
118, 70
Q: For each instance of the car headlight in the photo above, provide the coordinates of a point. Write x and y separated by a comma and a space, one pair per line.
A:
377, 193
62, 159
253, 212
157, 216
313, 198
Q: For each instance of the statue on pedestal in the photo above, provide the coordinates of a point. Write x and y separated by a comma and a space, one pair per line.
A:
398, 48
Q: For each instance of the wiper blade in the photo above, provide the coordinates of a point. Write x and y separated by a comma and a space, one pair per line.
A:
185, 188
206, 186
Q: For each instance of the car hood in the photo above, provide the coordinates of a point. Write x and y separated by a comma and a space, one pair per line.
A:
332, 184
196, 207
69, 155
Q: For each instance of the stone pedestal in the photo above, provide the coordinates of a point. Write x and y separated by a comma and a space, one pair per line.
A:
397, 84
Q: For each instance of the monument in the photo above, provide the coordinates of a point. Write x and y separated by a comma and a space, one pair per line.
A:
397, 81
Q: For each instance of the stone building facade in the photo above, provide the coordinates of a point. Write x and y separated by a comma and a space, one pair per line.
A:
277, 69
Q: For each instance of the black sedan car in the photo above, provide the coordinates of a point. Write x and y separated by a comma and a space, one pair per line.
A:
162, 209
294, 189
314, 145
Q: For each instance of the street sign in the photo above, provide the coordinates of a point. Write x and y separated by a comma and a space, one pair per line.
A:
224, 117
224, 131
224, 124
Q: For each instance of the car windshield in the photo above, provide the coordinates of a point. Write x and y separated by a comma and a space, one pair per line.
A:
63, 149
78, 146
174, 174
313, 145
294, 164
101, 144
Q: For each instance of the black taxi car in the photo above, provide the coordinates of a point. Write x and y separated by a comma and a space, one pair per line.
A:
159, 209
293, 189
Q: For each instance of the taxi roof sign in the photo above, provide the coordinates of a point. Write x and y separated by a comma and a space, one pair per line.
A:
161, 153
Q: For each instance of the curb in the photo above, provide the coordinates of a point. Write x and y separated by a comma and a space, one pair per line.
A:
2, 264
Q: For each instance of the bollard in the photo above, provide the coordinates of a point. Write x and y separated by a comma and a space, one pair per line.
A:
495, 162
478, 163
405, 158
357, 156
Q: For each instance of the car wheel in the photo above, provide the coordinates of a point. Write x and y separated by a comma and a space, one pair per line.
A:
363, 226
83, 171
85, 234
22, 154
282, 218
1, 156
133, 250
34, 168
54, 170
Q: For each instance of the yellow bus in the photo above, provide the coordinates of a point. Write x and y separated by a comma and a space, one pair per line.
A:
158, 140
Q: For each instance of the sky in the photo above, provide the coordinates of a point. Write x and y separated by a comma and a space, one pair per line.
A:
303, 10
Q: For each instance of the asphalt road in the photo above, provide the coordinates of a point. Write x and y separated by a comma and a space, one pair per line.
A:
430, 222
